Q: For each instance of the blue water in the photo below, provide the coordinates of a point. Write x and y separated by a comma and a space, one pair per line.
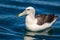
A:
13, 27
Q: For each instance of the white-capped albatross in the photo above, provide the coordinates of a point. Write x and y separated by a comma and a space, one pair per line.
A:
39, 22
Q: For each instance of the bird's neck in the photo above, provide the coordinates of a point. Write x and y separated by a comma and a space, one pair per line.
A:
30, 19
31, 15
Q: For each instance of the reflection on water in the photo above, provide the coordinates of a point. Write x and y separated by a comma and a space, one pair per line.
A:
29, 36
48, 34
32, 35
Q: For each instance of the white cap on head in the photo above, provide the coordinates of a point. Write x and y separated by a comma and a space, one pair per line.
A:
30, 8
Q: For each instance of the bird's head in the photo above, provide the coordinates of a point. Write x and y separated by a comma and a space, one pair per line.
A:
28, 10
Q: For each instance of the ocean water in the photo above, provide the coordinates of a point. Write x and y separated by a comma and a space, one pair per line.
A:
13, 27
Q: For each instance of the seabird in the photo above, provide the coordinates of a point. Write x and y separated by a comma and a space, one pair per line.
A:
38, 22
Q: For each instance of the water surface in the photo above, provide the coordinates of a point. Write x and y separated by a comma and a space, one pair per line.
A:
13, 27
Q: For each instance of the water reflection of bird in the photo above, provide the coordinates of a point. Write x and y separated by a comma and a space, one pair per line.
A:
39, 22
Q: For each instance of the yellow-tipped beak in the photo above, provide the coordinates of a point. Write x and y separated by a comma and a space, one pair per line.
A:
21, 14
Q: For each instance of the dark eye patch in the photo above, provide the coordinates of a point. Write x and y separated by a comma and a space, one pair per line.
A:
28, 9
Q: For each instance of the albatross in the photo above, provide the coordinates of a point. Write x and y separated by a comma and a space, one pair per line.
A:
38, 22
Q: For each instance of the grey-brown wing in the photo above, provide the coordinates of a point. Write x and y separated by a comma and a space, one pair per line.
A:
43, 18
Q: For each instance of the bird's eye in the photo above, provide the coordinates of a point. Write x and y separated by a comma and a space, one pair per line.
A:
28, 9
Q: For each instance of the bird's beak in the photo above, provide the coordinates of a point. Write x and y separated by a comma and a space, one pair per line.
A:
21, 14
